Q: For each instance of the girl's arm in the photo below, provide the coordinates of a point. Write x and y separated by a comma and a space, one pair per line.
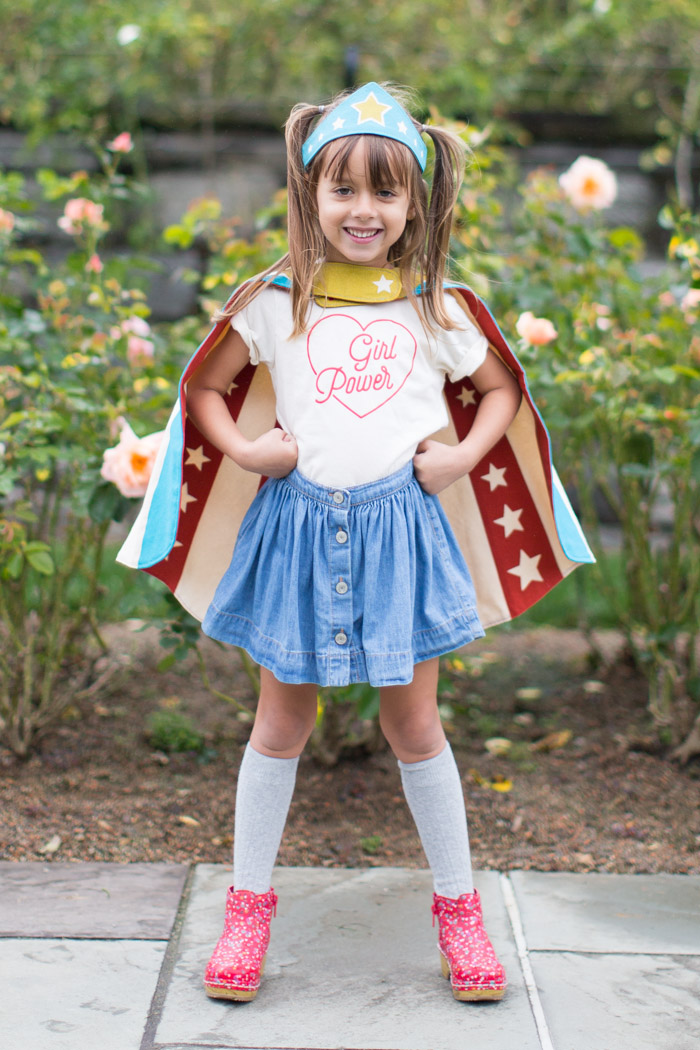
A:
437, 465
273, 453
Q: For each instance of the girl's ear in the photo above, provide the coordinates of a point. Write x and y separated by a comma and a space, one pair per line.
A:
411, 213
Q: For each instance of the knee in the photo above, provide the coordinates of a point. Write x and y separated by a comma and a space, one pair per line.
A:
281, 729
415, 738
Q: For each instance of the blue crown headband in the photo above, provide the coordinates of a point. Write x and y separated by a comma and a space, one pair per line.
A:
368, 111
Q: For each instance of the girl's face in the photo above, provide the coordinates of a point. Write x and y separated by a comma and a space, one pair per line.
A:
359, 218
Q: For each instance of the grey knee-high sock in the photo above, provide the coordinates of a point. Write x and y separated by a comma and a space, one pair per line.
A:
263, 795
433, 791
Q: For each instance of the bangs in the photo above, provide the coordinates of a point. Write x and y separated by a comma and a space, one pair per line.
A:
388, 162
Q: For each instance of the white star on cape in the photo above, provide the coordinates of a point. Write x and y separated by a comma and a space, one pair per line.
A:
510, 520
196, 457
466, 397
495, 477
402, 127
185, 499
383, 284
338, 123
527, 569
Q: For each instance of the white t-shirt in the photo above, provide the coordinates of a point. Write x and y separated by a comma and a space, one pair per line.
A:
362, 386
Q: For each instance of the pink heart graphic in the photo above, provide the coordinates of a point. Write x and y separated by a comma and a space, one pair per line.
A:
361, 366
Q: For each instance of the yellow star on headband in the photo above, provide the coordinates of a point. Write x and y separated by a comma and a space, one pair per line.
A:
371, 109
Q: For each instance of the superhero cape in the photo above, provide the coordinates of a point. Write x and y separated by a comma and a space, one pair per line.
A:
510, 515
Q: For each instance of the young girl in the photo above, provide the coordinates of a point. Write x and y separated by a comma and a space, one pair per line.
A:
345, 567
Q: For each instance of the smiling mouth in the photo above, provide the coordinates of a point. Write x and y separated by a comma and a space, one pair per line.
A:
361, 235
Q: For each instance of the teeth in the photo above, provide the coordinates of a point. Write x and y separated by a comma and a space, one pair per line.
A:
362, 233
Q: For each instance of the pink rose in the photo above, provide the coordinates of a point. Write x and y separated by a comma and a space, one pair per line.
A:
129, 464
7, 221
691, 299
94, 264
79, 212
589, 183
537, 331
139, 351
137, 325
121, 144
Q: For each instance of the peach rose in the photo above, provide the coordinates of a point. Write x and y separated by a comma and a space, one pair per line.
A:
121, 144
589, 183
537, 331
7, 221
79, 212
130, 463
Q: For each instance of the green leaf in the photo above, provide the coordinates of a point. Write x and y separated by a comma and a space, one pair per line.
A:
14, 565
638, 448
107, 504
14, 418
42, 563
665, 374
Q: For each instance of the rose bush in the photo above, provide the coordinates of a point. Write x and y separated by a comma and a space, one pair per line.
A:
70, 372
619, 387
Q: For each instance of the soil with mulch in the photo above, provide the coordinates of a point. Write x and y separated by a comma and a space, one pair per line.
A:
579, 784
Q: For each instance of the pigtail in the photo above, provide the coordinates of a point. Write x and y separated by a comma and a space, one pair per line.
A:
448, 171
307, 246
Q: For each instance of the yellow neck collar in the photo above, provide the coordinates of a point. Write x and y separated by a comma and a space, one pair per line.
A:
345, 284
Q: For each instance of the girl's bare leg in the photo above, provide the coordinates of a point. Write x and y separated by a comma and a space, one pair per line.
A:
409, 716
285, 716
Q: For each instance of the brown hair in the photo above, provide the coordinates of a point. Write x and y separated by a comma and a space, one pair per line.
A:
420, 254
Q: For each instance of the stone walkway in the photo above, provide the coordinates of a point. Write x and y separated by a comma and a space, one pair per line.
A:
110, 957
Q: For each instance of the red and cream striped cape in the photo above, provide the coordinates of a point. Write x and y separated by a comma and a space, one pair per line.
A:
510, 515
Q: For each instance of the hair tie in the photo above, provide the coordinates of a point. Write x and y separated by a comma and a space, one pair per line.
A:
321, 109
423, 129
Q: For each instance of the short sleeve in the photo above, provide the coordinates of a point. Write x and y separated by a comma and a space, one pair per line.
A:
460, 351
255, 325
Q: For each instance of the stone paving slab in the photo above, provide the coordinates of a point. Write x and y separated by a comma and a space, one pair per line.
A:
620, 1002
352, 963
76, 995
603, 913
99, 900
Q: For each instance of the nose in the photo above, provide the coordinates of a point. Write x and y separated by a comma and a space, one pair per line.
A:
363, 205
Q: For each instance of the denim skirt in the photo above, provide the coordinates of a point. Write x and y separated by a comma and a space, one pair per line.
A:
336, 586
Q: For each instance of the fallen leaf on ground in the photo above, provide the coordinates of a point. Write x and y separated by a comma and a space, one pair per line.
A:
189, 821
497, 783
52, 845
528, 693
498, 745
552, 741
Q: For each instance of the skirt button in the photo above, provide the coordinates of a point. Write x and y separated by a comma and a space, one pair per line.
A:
341, 536
341, 587
341, 638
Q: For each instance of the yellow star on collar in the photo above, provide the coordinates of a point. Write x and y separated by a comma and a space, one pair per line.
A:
371, 109
347, 284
